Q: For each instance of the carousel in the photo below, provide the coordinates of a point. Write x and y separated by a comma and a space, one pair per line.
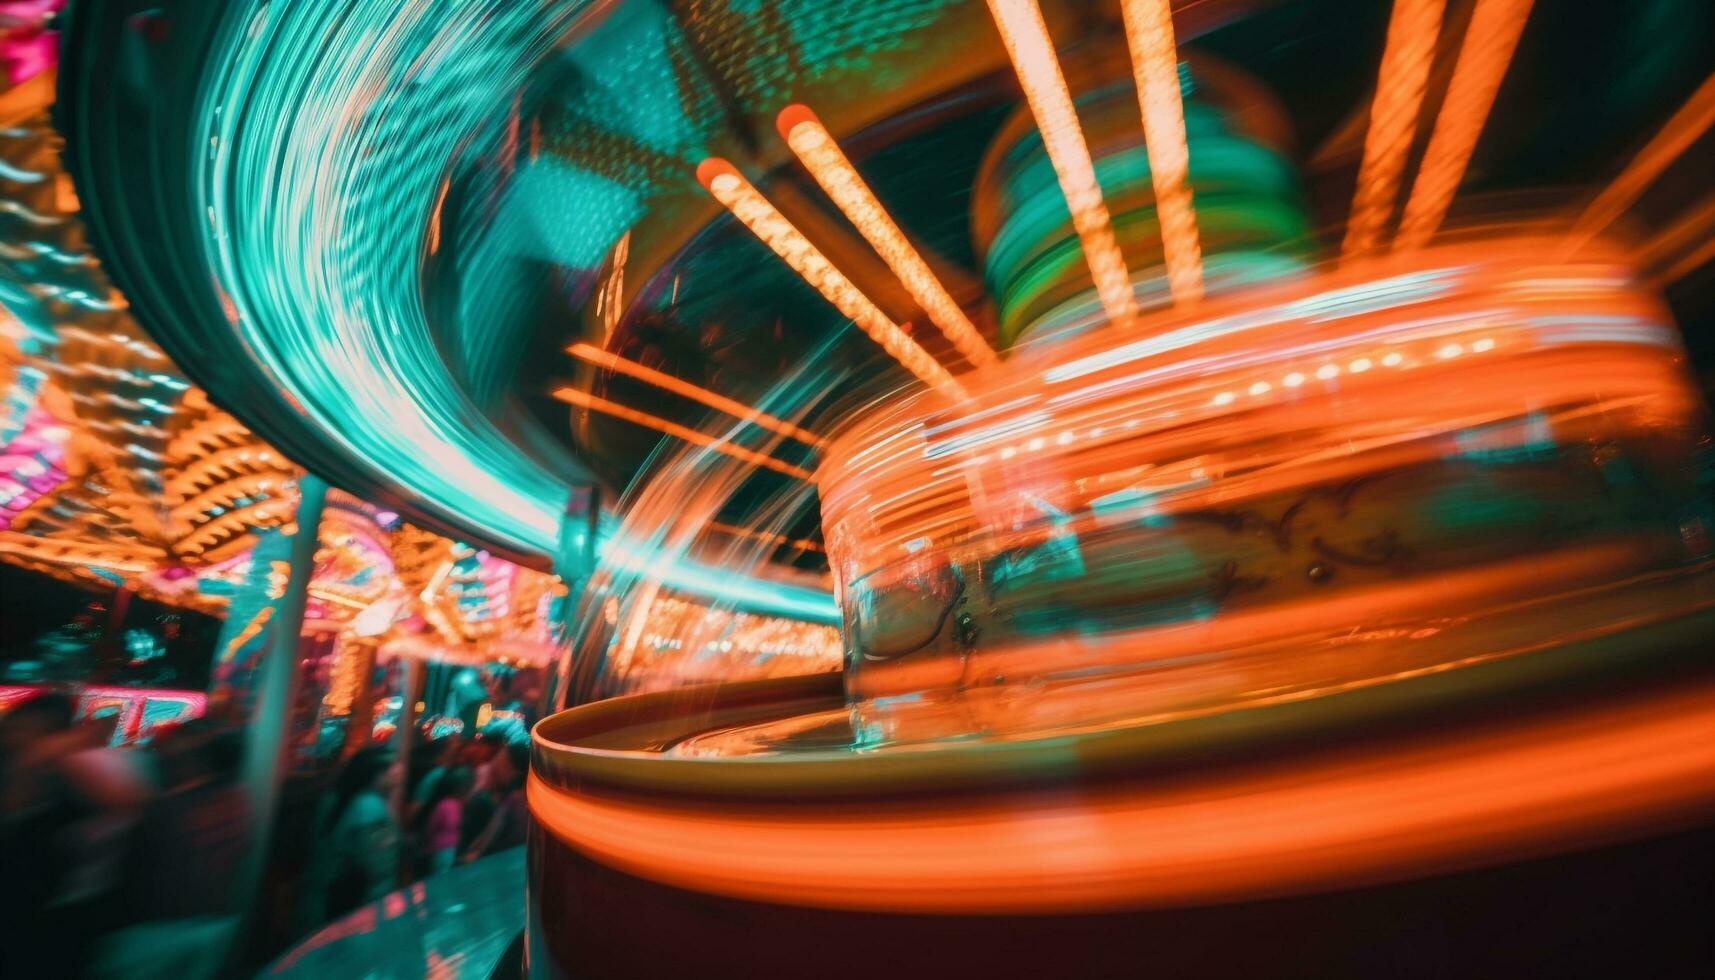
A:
945, 488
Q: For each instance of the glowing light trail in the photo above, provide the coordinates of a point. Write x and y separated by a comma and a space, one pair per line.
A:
621, 553
1695, 224
1025, 35
743, 532
1411, 33
1687, 263
1679, 133
300, 143
68, 553
720, 403
822, 156
1449, 800
765, 221
585, 400
1484, 54
337, 599
1155, 67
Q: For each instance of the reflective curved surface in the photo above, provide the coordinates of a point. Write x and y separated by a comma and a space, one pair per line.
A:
456, 925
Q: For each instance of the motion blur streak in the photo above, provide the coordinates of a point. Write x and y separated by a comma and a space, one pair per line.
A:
719, 403
1684, 266
1483, 58
1025, 35
1411, 34
822, 156
752, 209
328, 144
1447, 802
1230, 410
1693, 230
1178, 504
1658, 154
692, 436
802, 543
1155, 66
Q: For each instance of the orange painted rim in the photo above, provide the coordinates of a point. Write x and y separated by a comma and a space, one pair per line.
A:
1566, 748
1362, 816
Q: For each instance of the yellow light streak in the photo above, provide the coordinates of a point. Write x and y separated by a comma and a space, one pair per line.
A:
1411, 33
754, 211
435, 580
1484, 54
720, 403
1155, 67
822, 156
1025, 35
337, 599
583, 399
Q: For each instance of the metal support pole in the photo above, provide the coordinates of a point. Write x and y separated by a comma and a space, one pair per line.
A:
275, 680
574, 562
112, 640
407, 732
361, 721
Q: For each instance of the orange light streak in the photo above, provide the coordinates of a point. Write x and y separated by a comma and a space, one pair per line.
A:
1694, 225
1484, 55
1680, 132
720, 403
1025, 35
1083, 426
692, 436
822, 156
1411, 34
44, 552
748, 205
1687, 263
1155, 68
337, 599
745, 532
1371, 813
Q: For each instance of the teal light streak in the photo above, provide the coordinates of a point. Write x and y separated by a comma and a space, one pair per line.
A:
619, 553
330, 128
781, 599
329, 131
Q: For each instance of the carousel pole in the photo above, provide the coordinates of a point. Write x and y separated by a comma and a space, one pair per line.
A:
413, 691
361, 720
272, 693
574, 561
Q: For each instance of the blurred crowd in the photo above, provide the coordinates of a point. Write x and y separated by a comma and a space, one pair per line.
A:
138, 861
369, 835
119, 861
